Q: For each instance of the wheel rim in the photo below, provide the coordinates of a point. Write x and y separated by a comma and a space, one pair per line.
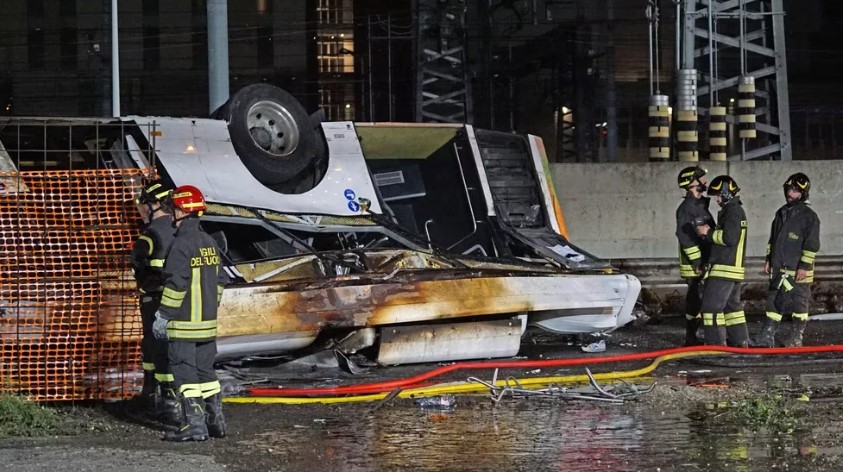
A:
273, 128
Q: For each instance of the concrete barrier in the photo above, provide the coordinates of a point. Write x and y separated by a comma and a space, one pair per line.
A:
628, 211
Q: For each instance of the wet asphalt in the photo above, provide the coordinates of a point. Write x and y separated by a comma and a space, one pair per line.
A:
696, 418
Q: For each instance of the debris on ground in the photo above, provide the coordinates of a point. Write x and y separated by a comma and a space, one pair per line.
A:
441, 402
597, 346
513, 388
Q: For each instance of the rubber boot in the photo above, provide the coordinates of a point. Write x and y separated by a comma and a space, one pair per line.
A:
145, 402
150, 384
169, 409
795, 338
193, 423
767, 336
213, 416
710, 335
691, 328
722, 335
738, 335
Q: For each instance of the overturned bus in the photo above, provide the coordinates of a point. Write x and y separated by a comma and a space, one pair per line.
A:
425, 242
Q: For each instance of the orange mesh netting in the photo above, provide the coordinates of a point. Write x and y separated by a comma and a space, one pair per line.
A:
69, 322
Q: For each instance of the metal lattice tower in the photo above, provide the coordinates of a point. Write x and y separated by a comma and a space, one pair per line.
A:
442, 91
727, 40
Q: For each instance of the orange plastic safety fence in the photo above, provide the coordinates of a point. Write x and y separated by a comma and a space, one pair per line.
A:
70, 327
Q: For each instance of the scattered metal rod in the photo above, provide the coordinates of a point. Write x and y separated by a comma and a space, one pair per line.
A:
387, 399
512, 387
597, 385
634, 388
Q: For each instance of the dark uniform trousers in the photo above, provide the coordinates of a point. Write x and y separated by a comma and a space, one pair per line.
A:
800, 296
722, 308
693, 303
154, 351
192, 364
148, 254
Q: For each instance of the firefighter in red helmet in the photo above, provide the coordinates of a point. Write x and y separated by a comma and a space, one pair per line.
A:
193, 285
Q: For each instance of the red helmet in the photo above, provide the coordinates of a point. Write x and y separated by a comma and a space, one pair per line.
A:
188, 199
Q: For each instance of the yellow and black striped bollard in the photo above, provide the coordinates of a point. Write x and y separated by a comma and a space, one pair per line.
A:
659, 128
746, 107
687, 136
717, 134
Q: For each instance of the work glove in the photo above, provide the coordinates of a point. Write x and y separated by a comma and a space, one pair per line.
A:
159, 326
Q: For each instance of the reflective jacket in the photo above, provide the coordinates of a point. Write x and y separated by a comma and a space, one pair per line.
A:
794, 240
149, 252
728, 240
193, 284
694, 250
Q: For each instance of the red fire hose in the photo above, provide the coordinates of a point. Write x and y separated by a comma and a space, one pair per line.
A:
416, 380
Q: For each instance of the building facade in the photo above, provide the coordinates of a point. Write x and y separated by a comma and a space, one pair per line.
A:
55, 56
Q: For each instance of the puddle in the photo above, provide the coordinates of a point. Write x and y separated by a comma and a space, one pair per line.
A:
548, 435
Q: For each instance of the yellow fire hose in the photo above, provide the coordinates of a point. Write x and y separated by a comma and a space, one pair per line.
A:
533, 383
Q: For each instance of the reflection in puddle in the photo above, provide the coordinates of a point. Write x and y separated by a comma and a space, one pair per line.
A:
538, 435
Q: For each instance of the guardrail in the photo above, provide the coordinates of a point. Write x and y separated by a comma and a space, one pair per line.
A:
662, 271
663, 291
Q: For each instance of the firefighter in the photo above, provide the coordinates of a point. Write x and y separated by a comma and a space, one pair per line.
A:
148, 253
793, 244
193, 284
694, 249
724, 321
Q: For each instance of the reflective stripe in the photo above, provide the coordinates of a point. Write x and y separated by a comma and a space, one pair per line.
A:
768, 249
155, 262
149, 243
721, 320
808, 256
741, 243
148, 366
210, 388
191, 334
717, 237
174, 294
188, 325
727, 272
734, 318
774, 316
809, 276
800, 316
687, 271
170, 303
784, 282
190, 391
172, 298
693, 253
708, 319
192, 330
164, 377
196, 295
692, 317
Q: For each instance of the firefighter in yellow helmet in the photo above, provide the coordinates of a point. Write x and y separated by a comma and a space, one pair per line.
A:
148, 253
724, 321
793, 245
193, 284
694, 249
